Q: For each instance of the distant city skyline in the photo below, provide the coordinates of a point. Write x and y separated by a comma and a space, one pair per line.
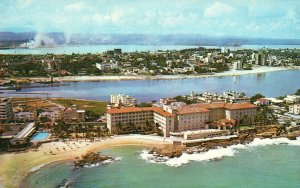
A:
248, 18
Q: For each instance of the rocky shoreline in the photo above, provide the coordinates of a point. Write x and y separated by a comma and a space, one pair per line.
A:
243, 137
91, 159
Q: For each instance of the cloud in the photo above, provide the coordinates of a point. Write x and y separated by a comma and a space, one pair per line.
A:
218, 10
112, 17
253, 18
24, 3
79, 6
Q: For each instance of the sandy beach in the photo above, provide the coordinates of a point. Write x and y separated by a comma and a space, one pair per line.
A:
255, 70
15, 166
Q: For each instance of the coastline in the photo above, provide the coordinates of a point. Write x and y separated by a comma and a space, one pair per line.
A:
16, 166
255, 70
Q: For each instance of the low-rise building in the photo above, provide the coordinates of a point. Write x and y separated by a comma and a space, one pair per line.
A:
72, 114
292, 98
51, 115
262, 102
106, 66
25, 116
203, 134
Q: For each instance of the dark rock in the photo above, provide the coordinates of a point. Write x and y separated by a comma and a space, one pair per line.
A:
90, 158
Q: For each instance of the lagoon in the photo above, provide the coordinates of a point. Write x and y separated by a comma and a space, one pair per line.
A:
271, 84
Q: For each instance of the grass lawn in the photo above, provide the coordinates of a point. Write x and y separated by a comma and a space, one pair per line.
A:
31, 103
98, 107
244, 127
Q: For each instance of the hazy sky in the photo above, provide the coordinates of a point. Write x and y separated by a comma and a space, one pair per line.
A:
246, 18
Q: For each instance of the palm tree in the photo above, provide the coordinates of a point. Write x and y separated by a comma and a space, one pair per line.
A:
148, 125
98, 132
76, 132
119, 126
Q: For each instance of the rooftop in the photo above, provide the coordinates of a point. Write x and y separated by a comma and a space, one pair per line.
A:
137, 109
191, 110
128, 110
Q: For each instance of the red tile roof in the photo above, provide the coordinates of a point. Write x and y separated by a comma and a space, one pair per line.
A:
137, 109
230, 106
191, 110
209, 105
194, 108
162, 112
237, 106
128, 110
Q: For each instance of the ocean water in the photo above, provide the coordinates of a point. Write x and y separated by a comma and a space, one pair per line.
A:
261, 164
272, 84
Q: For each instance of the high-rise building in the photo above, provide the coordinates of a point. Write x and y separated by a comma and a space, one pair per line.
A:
238, 65
6, 112
123, 100
117, 51
260, 59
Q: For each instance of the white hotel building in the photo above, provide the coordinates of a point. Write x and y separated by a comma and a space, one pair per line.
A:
182, 117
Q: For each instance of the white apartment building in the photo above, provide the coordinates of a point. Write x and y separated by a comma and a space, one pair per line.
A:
25, 116
106, 66
294, 109
122, 99
6, 112
292, 98
51, 115
237, 65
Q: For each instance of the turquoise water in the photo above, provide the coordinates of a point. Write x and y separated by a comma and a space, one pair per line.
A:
272, 84
268, 166
39, 136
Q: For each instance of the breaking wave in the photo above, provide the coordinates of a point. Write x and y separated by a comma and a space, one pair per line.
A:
214, 154
36, 168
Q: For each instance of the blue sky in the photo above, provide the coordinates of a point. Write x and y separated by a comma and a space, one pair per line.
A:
245, 18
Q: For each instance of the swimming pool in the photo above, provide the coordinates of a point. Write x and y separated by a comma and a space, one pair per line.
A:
40, 136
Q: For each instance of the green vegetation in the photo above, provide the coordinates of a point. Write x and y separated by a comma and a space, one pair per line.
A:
256, 96
145, 104
264, 116
185, 100
91, 107
297, 92
129, 128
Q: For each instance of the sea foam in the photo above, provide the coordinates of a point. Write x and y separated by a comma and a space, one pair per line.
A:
36, 168
215, 154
